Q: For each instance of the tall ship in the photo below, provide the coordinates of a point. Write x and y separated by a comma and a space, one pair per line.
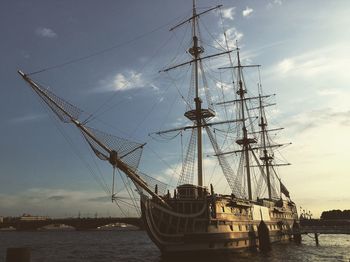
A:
195, 217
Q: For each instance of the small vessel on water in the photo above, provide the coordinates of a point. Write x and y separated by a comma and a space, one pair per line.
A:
196, 217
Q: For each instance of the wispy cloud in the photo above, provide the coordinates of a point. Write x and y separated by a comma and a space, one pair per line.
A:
56, 198
247, 56
316, 118
232, 35
247, 12
125, 81
229, 13
306, 65
319, 152
43, 201
328, 91
45, 32
320, 62
277, 2
27, 118
223, 85
273, 3
102, 199
130, 80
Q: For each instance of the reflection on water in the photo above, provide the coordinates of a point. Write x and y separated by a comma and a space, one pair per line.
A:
113, 246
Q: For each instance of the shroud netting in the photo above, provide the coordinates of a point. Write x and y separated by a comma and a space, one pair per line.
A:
129, 152
58, 104
187, 171
231, 178
152, 182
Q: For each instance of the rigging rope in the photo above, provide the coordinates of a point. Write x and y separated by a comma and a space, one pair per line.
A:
181, 45
132, 197
165, 163
76, 60
187, 172
98, 180
178, 90
133, 81
215, 39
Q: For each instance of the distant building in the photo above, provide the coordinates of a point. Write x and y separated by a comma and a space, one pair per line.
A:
28, 217
1, 219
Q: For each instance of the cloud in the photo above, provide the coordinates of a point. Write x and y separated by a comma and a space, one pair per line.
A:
321, 137
247, 12
27, 118
223, 85
56, 198
130, 80
232, 35
228, 13
286, 65
274, 3
35, 201
125, 81
247, 56
328, 91
103, 199
45, 32
316, 118
319, 156
305, 65
314, 63
277, 2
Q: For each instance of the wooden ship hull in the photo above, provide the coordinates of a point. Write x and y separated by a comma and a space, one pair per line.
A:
210, 223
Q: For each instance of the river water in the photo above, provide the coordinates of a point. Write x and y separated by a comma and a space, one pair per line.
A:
134, 245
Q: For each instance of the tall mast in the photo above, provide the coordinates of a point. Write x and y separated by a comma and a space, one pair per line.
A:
266, 158
195, 52
198, 114
245, 141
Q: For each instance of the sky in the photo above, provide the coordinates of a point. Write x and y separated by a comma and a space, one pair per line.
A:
105, 57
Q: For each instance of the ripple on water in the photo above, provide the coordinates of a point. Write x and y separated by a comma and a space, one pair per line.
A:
113, 246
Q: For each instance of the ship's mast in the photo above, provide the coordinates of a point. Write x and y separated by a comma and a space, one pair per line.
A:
198, 115
245, 141
195, 52
241, 92
265, 158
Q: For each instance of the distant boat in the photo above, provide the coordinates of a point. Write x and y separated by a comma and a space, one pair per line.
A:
28, 217
56, 227
196, 217
10, 228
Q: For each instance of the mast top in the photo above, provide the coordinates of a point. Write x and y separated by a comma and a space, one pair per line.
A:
194, 15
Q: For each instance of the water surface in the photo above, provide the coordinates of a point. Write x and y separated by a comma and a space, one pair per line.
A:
124, 245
